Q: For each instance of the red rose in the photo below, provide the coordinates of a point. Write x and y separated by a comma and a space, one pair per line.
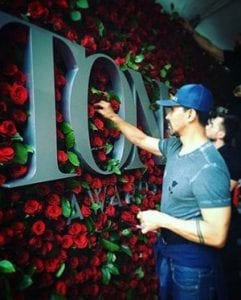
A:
53, 212
8, 128
36, 10
96, 183
59, 117
18, 171
3, 107
77, 228
51, 265
19, 116
61, 287
128, 217
110, 210
38, 264
54, 199
99, 124
10, 69
60, 80
2, 239
18, 94
74, 262
6, 154
62, 3
67, 241
89, 43
62, 156
86, 211
101, 156
97, 141
38, 227
32, 207
81, 241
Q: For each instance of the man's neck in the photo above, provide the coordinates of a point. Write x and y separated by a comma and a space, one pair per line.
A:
218, 143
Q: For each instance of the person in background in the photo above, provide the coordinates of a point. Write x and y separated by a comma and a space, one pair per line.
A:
195, 209
222, 129
231, 59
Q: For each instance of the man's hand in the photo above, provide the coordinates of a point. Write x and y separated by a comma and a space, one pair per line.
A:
105, 109
150, 220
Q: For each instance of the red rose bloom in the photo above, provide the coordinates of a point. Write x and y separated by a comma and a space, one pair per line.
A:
81, 241
36, 10
32, 207
77, 228
18, 94
99, 124
38, 227
89, 43
51, 265
19, 116
3, 107
2, 179
67, 241
18, 171
62, 156
8, 128
61, 287
6, 154
53, 212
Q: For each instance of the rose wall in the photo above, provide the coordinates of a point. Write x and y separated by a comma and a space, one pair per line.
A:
44, 253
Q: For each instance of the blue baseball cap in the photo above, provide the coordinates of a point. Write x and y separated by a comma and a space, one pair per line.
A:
194, 96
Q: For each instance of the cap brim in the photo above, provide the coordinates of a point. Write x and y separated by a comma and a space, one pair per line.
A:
168, 103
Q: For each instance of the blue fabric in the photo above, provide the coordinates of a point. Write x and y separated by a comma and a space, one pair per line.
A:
189, 272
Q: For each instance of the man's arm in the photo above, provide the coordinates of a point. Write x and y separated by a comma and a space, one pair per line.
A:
132, 133
204, 43
212, 230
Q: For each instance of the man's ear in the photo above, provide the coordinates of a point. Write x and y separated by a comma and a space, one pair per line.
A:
192, 114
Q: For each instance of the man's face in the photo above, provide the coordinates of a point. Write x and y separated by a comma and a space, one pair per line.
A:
176, 118
214, 128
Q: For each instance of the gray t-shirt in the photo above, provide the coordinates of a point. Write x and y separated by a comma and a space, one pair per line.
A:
196, 180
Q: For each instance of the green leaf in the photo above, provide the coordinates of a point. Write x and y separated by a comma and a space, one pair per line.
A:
139, 272
139, 58
113, 269
66, 207
126, 232
60, 271
55, 296
73, 158
85, 185
106, 276
126, 250
75, 15
111, 257
163, 73
96, 91
108, 148
70, 140
110, 246
25, 282
101, 28
6, 267
95, 206
82, 4
66, 128
21, 150
17, 137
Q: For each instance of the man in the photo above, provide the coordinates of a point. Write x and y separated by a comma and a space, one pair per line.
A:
222, 130
231, 59
195, 205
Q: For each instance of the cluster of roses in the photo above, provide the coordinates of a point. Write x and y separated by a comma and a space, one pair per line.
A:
78, 237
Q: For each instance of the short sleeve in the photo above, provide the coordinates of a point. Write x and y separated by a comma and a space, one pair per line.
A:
211, 187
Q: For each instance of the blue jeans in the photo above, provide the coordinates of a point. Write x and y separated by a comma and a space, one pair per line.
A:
185, 283
189, 272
